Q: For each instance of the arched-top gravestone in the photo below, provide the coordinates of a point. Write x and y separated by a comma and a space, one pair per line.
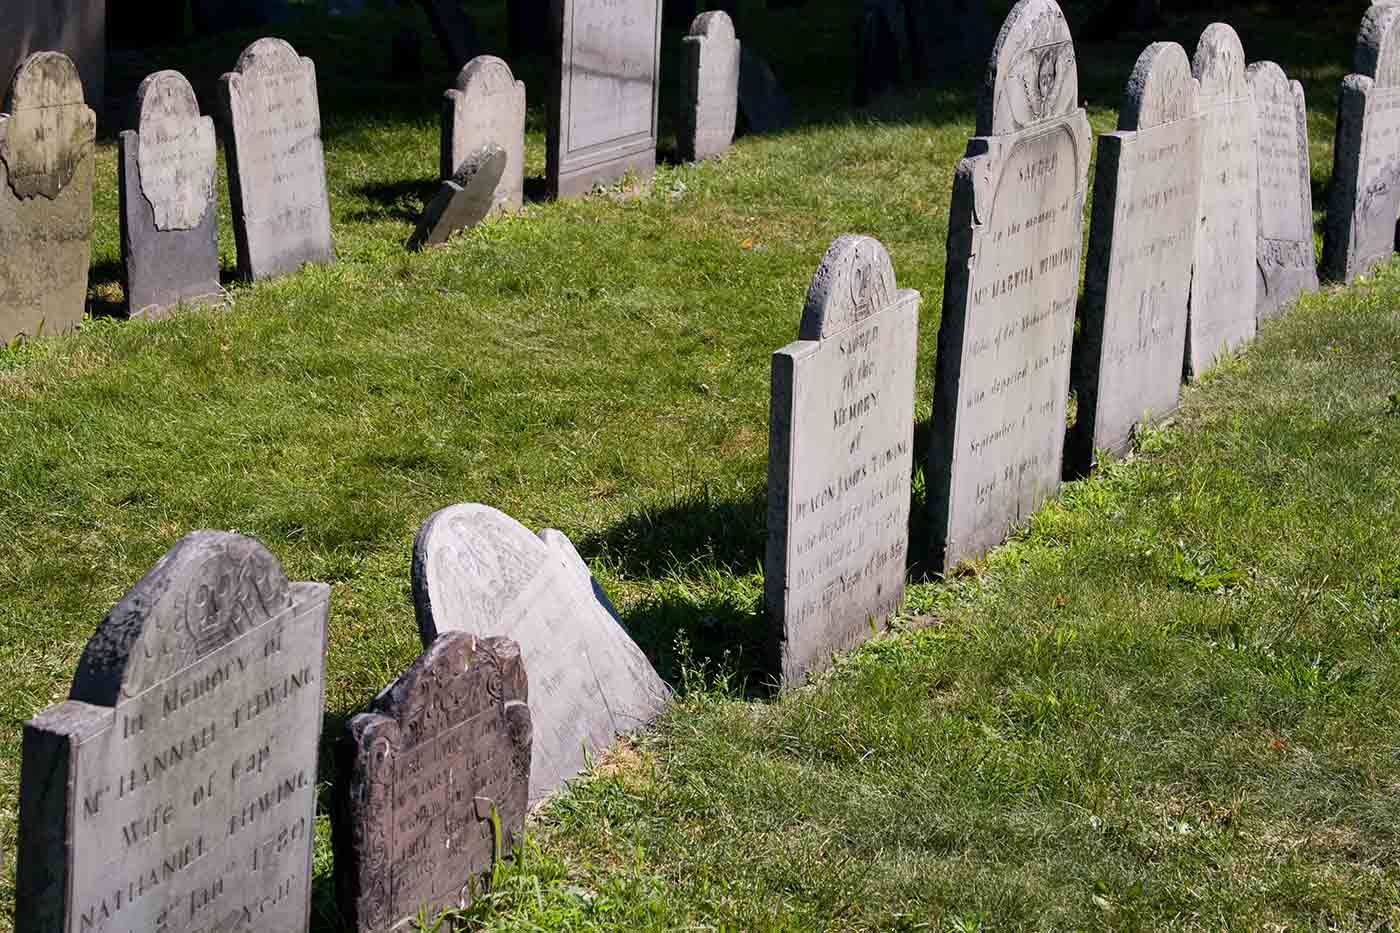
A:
486, 107
763, 104
176, 788
840, 459
1287, 263
479, 570
1001, 387
47, 139
1364, 195
709, 108
276, 165
1142, 244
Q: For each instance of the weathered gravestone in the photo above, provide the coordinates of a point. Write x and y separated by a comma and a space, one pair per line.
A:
486, 107
276, 167
946, 37
1142, 244
763, 105
840, 458
1017, 221
46, 158
709, 87
169, 205
603, 95
884, 44
1287, 262
434, 784
479, 570
462, 201
1223, 295
175, 789
1363, 198
455, 31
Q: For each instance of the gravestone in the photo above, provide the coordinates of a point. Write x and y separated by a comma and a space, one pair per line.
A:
1223, 295
1142, 244
840, 459
455, 31
46, 159
1287, 262
169, 205
603, 95
276, 167
434, 784
462, 201
486, 107
1363, 198
947, 37
478, 570
1017, 219
883, 42
77, 28
709, 87
763, 105
175, 789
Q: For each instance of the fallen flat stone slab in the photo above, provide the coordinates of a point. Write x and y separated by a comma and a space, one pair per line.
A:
463, 201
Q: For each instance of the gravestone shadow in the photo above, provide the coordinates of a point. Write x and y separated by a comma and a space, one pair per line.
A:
325, 910
401, 200
106, 295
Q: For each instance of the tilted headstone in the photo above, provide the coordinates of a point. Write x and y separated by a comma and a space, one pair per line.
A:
603, 97
1014, 241
1287, 261
479, 570
840, 459
763, 105
169, 203
1223, 280
46, 157
1363, 199
276, 167
1142, 243
175, 789
709, 87
486, 107
434, 784
462, 201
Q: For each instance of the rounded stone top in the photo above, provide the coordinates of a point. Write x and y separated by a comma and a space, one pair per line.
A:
165, 95
487, 73
1219, 63
268, 55
1032, 75
1161, 88
714, 24
1378, 45
1268, 80
44, 79
855, 279
51, 129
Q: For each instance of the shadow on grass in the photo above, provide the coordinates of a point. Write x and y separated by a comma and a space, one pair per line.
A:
401, 200
325, 910
106, 291
695, 526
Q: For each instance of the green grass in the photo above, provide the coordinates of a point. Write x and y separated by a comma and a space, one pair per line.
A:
1171, 702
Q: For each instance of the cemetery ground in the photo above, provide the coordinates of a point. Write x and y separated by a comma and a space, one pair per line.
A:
1173, 701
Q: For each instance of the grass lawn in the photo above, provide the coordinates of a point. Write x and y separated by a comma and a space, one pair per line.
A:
1173, 701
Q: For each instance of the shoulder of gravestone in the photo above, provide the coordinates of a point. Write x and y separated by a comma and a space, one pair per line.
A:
1376, 25
365, 728
72, 719
1357, 84
504, 654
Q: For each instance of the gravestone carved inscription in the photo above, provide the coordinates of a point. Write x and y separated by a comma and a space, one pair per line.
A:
435, 783
1017, 219
1287, 261
709, 87
840, 459
486, 107
1142, 243
175, 789
478, 570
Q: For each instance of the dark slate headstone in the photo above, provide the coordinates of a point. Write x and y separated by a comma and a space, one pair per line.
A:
1142, 244
169, 204
1363, 199
77, 28
175, 789
276, 167
46, 159
763, 106
462, 201
840, 459
434, 784
709, 95
486, 107
878, 69
479, 570
529, 27
1014, 241
947, 37
1287, 261
603, 96
1223, 279
454, 29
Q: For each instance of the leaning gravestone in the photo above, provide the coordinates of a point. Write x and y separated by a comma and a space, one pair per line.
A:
763, 105
462, 201
479, 570
276, 167
1364, 195
175, 789
1141, 248
46, 158
1287, 263
1223, 280
709, 87
840, 458
169, 208
486, 108
603, 95
1017, 221
434, 784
